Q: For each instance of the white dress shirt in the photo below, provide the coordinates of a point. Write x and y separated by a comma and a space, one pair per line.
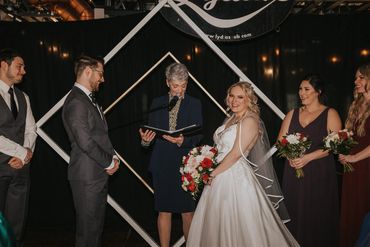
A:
10, 147
87, 92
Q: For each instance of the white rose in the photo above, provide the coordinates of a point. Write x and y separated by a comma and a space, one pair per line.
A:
292, 139
199, 158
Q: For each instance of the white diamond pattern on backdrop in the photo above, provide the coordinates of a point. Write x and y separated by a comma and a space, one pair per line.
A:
107, 58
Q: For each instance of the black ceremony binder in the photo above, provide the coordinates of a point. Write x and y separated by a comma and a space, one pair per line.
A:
186, 131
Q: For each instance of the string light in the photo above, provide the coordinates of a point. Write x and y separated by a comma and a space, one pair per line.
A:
277, 51
268, 71
334, 59
364, 52
264, 58
65, 55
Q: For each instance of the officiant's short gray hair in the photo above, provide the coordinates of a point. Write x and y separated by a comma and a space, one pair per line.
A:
177, 72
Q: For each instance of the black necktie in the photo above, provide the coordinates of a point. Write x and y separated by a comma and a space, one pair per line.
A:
93, 98
13, 106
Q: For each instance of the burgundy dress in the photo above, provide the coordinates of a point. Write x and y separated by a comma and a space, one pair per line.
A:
355, 194
312, 201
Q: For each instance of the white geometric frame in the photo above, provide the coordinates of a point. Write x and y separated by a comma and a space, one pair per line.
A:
137, 28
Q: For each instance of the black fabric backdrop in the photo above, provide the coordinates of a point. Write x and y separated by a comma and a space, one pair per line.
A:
304, 44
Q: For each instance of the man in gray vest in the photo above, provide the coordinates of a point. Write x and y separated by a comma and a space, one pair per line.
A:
17, 142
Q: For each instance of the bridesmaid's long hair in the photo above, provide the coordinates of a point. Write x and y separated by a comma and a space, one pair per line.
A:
354, 118
318, 84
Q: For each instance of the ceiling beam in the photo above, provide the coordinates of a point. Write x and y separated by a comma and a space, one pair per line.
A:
333, 1
313, 7
364, 7
336, 4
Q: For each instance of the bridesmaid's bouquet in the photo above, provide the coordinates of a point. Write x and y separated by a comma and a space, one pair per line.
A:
196, 168
293, 146
340, 142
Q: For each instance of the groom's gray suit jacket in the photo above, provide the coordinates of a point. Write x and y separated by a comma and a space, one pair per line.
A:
92, 150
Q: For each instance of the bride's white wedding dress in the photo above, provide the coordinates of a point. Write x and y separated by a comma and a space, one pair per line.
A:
235, 211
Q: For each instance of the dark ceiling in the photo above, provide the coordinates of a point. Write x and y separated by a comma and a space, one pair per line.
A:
72, 10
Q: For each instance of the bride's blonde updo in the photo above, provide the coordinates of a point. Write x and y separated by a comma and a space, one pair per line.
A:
249, 92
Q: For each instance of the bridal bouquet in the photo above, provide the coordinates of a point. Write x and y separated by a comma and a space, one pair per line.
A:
340, 142
293, 146
196, 168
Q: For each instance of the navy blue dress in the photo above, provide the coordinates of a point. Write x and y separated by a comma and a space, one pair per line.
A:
166, 157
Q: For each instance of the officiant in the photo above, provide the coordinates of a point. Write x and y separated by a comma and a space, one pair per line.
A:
181, 110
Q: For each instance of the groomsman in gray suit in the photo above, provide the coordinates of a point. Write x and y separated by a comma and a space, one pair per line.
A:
92, 157
17, 142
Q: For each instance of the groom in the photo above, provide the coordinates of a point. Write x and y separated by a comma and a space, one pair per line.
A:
92, 156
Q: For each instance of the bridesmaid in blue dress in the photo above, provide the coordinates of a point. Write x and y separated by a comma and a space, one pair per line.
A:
312, 201
168, 151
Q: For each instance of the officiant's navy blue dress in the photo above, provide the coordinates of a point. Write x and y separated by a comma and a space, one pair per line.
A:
166, 157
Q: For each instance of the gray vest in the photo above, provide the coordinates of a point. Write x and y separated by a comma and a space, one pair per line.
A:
10, 128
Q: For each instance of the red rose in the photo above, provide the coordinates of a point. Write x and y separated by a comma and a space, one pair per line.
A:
302, 136
191, 187
284, 142
206, 163
205, 177
186, 159
213, 150
188, 177
343, 135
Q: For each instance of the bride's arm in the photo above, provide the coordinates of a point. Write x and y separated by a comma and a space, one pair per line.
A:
249, 134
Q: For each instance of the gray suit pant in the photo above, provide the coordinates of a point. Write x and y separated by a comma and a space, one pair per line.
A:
90, 200
14, 192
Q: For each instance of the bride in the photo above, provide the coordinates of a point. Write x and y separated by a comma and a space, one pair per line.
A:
235, 209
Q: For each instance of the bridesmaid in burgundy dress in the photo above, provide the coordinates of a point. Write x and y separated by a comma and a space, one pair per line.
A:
356, 185
312, 200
